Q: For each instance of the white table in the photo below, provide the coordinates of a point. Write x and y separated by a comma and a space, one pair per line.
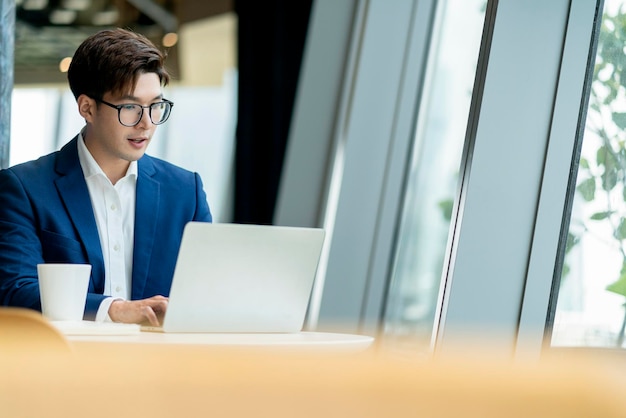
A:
90, 332
321, 340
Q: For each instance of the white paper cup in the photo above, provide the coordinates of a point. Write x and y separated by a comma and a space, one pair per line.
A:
63, 290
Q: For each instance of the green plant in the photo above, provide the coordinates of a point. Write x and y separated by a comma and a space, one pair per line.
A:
603, 177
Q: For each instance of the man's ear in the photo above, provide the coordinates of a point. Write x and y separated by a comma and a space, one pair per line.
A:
86, 107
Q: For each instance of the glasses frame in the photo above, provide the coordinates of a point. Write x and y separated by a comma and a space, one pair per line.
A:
120, 106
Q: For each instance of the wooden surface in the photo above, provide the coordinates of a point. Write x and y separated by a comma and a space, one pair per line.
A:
191, 380
165, 381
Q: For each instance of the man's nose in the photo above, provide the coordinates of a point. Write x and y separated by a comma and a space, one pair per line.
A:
145, 121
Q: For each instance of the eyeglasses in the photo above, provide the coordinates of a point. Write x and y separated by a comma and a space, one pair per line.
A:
131, 114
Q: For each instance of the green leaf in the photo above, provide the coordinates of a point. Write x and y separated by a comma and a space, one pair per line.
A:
620, 232
572, 241
587, 189
620, 119
584, 163
609, 179
599, 216
601, 155
619, 286
607, 158
594, 107
446, 206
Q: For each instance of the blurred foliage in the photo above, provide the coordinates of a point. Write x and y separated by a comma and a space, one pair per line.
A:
605, 174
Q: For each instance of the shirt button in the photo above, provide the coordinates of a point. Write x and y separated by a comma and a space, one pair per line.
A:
113, 207
116, 247
118, 289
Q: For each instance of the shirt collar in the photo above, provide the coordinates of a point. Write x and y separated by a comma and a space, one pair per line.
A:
90, 166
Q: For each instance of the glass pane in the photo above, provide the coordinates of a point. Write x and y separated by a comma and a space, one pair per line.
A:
33, 123
432, 180
590, 306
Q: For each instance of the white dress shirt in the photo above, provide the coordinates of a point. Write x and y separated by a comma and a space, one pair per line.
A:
114, 209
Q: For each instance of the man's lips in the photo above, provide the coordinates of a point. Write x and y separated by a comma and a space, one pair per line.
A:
137, 140
138, 143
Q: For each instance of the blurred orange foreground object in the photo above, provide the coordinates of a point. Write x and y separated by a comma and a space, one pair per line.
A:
27, 332
138, 380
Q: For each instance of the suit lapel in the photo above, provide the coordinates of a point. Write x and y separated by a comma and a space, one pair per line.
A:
146, 215
75, 195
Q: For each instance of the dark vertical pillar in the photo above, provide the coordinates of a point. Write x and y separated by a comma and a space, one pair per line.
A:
7, 42
271, 38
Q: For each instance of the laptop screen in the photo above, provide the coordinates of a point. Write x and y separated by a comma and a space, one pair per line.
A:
243, 278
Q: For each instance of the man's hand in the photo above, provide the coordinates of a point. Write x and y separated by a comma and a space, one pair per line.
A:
137, 311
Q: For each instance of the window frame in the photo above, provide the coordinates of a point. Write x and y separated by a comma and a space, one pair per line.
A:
507, 227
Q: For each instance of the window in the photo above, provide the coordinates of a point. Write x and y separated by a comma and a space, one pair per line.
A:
591, 309
432, 180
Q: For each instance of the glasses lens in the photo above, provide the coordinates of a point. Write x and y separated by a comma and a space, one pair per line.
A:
130, 114
159, 112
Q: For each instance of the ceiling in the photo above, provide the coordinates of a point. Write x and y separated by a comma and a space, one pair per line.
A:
46, 31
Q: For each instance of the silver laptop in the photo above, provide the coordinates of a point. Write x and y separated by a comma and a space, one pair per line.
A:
242, 278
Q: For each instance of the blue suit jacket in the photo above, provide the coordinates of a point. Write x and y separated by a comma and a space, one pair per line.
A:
46, 217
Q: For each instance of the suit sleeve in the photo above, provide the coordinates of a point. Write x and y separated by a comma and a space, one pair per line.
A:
202, 213
20, 247
24, 244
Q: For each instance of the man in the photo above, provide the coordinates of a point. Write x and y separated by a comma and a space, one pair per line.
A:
100, 200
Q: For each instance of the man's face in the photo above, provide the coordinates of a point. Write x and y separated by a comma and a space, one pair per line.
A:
112, 144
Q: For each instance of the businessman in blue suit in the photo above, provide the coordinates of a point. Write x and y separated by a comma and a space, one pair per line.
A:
101, 200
